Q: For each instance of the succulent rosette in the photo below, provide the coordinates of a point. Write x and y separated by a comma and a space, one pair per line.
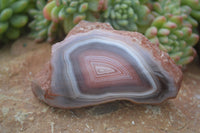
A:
71, 12
172, 30
132, 15
13, 18
41, 28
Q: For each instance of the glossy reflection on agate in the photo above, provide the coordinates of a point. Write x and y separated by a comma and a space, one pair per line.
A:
96, 64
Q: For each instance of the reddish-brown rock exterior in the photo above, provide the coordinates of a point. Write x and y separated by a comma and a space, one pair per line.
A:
96, 64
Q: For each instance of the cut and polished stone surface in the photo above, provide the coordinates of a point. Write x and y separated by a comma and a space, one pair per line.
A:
96, 64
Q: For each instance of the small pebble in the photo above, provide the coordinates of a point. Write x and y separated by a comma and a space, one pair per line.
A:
31, 118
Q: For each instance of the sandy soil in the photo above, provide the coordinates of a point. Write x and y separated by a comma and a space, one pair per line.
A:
20, 111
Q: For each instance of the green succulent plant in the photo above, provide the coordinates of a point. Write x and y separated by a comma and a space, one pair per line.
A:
132, 15
173, 7
195, 6
71, 12
172, 30
13, 18
41, 28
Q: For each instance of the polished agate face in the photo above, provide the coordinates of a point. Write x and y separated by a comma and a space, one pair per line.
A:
100, 66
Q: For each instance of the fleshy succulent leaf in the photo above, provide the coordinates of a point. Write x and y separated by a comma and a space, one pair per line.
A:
19, 21
48, 8
6, 14
3, 27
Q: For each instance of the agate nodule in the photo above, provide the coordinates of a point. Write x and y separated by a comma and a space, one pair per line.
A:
97, 64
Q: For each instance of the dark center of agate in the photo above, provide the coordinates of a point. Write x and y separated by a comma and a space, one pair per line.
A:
100, 70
